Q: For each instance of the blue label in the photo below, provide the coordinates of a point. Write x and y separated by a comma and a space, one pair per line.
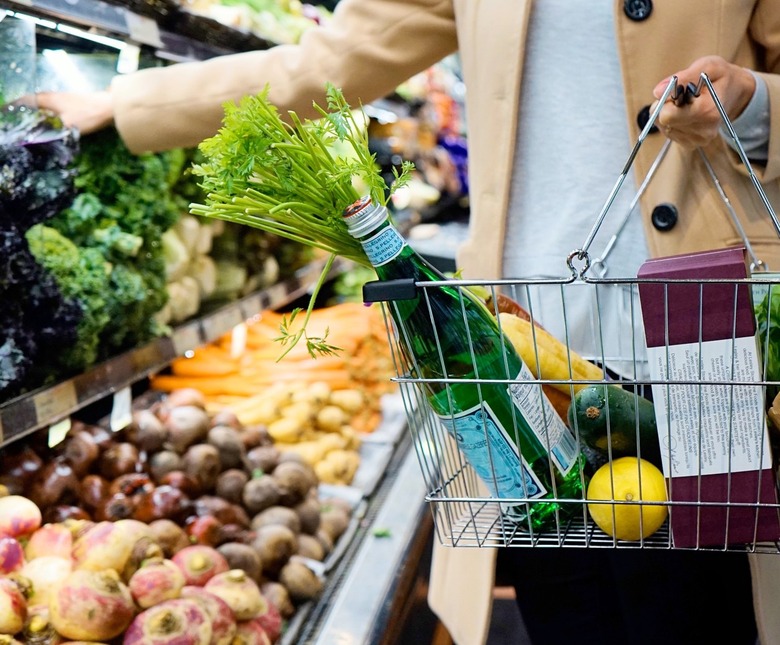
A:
384, 246
489, 451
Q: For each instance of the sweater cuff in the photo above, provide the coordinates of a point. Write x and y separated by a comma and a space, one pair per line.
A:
752, 126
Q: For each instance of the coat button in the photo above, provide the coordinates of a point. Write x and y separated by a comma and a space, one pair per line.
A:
664, 217
638, 10
643, 117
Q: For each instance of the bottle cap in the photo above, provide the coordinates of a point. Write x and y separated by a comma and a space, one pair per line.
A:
364, 216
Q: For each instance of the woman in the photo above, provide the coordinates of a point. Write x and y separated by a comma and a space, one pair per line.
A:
583, 69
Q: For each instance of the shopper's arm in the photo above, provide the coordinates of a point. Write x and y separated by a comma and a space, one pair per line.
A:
367, 49
88, 112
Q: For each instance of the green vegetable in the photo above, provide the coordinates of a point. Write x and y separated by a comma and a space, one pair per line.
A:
286, 179
81, 274
124, 205
615, 422
768, 321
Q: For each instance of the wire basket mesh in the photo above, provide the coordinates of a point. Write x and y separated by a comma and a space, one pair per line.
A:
722, 494
681, 362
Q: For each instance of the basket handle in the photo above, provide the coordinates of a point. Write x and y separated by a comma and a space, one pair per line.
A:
679, 96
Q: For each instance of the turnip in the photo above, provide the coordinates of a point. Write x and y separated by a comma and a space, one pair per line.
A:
91, 605
108, 545
271, 621
44, 574
156, 581
174, 622
38, 629
11, 555
50, 540
223, 624
240, 592
199, 563
251, 632
13, 607
170, 536
18, 516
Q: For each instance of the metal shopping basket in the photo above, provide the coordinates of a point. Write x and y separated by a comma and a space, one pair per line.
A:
709, 399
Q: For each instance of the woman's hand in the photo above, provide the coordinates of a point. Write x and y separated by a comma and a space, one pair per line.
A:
87, 112
697, 123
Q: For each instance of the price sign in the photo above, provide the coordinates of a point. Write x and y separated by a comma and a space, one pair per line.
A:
57, 431
238, 340
129, 59
121, 410
143, 30
55, 402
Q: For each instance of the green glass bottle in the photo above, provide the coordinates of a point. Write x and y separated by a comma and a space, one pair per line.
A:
510, 434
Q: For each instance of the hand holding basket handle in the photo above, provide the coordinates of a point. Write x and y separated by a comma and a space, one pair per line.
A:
694, 123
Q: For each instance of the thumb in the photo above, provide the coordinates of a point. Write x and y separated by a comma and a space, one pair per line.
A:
659, 89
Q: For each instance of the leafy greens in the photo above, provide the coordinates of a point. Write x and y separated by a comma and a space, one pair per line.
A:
286, 178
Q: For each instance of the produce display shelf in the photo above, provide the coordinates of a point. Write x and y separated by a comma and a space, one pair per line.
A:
174, 34
50, 405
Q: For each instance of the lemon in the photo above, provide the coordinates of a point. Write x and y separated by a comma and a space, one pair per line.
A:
619, 480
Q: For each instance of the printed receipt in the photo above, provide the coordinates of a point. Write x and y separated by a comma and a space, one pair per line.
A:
704, 427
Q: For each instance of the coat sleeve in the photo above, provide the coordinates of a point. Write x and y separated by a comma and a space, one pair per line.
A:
367, 49
765, 31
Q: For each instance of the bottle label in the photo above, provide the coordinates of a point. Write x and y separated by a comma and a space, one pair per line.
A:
549, 428
492, 454
384, 246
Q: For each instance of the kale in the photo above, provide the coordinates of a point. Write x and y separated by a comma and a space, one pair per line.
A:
82, 274
36, 320
124, 204
36, 180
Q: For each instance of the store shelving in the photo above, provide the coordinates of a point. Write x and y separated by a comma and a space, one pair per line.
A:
48, 406
172, 33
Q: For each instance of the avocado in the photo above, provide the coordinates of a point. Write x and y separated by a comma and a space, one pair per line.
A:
608, 416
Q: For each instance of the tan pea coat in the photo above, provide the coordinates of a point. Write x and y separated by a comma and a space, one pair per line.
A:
371, 46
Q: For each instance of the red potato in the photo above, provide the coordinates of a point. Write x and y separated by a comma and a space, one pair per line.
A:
155, 582
11, 555
174, 622
13, 607
164, 502
240, 592
62, 512
91, 605
93, 492
146, 431
186, 425
251, 632
185, 396
18, 516
80, 451
223, 624
200, 563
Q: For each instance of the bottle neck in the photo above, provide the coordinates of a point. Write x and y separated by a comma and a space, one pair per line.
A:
370, 224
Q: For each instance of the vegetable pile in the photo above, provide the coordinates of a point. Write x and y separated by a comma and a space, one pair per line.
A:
179, 499
37, 319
